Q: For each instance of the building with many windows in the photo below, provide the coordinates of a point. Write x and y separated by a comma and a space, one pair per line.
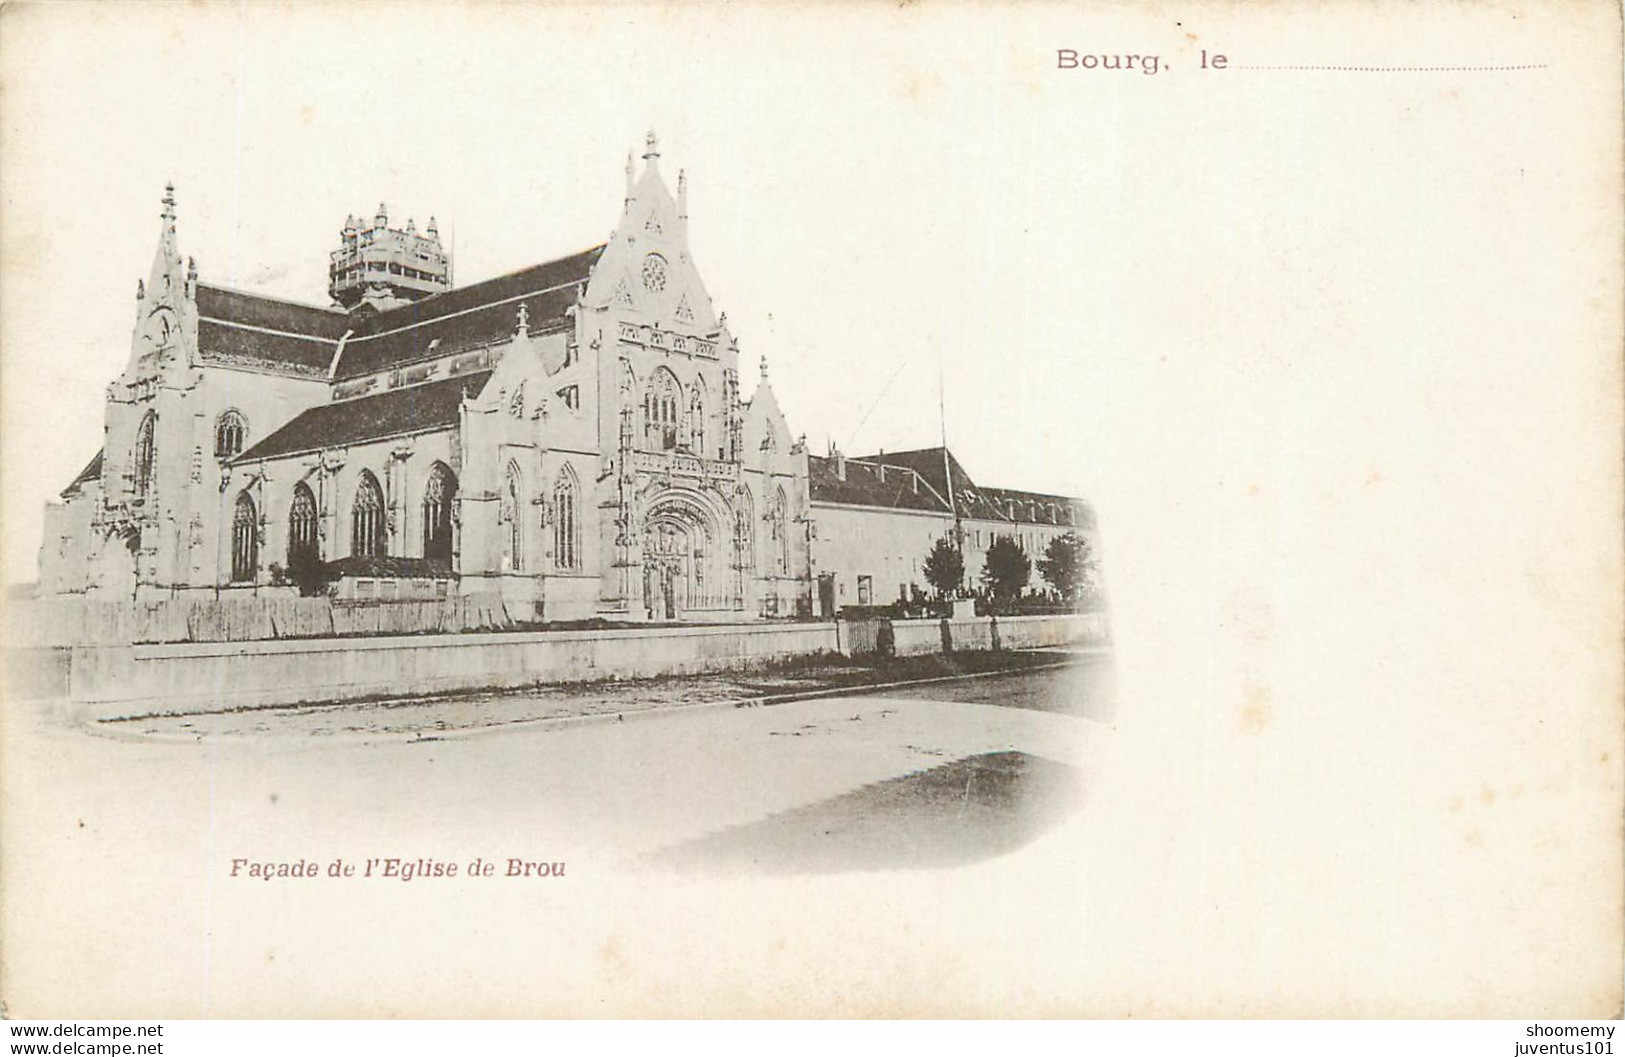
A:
876, 517
570, 440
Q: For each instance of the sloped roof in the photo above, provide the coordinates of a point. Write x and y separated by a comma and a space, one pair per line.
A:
239, 327
229, 344
270, 313
235, 327
928, 463
415, 409
467, 317
1034, 507
91, 472
864, 485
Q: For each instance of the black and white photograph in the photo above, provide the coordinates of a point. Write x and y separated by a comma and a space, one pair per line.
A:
522, 511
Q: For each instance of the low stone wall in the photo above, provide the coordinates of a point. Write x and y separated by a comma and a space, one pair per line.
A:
105, 682
977, 633
112, 681
910, 638
240, 617
1078, 629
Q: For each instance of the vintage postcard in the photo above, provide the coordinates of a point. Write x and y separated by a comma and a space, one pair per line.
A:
812, 510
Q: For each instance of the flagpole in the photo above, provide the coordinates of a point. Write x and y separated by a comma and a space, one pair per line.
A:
947, 468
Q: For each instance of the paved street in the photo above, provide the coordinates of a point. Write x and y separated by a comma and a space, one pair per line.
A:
930, 776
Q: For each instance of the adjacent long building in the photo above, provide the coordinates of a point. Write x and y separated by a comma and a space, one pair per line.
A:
570, 440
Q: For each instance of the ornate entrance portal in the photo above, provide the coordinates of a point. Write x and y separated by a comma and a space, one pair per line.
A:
685, 565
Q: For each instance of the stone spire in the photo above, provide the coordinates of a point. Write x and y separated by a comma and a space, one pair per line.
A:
524, 321
166, 275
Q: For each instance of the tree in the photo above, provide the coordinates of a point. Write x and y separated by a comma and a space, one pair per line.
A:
1068, 565
1006, 569
944, 567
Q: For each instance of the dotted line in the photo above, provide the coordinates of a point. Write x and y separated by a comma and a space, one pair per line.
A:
1403, 69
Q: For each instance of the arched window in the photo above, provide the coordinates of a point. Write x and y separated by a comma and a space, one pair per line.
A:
367, 519
245, 540
744, 534
781, 535
566, 531
230, 430
438, 497
513, 493
145, 455
303, 548
661, 401
696, 420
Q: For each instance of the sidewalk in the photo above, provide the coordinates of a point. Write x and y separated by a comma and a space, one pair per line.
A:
424, 718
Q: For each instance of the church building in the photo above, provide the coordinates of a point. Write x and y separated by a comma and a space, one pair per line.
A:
567, 441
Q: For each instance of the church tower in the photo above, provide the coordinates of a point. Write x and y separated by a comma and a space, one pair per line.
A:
385, 267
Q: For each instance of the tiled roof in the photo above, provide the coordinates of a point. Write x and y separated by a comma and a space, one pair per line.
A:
1035, 508
91, 472
928, 463
864, 485
433, 405
467, 317
228, 344
257, 310
239, 327
242, 328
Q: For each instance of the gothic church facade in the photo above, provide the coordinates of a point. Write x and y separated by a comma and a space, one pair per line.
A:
567, 441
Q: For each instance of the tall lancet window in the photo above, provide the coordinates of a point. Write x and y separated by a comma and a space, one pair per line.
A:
438, 497
230, 430
781, 535
303, 549
245, 540
367, 526
696, 421
145, 455
744, 536
661, 401
566, 535
513, 492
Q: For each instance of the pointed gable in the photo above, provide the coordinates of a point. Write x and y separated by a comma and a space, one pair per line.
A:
647, 265
91, 472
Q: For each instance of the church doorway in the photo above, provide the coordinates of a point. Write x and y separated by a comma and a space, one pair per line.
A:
685, 564
665, 576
